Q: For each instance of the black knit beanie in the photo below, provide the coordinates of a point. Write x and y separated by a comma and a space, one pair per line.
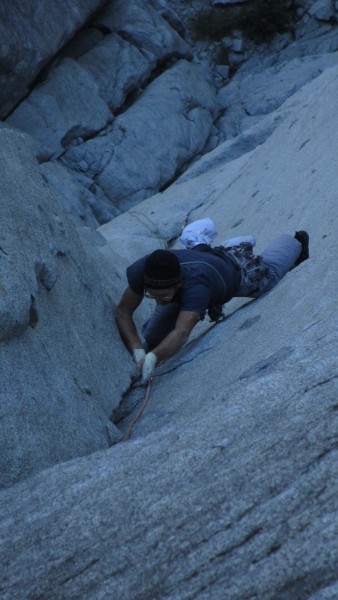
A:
162, 270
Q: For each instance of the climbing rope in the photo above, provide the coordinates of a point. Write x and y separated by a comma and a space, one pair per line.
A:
139, 413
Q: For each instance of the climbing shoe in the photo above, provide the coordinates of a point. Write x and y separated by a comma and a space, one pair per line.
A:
215, 313
303, 238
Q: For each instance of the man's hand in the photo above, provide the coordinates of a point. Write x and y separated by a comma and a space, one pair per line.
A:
148, 368
138, 355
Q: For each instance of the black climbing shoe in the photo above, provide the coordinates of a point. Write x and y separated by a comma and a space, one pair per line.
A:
215, 313
303, 238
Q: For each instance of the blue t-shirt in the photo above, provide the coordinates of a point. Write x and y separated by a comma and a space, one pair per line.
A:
207, 279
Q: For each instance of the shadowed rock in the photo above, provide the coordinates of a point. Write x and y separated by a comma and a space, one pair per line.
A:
56, 328
27, 44
147, 145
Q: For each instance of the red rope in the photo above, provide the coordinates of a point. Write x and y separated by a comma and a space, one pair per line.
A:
139, 413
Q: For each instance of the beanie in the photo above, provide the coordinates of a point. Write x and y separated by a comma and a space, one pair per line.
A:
162, 270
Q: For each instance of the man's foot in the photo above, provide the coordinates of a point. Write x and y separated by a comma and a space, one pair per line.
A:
303, 238
215, 313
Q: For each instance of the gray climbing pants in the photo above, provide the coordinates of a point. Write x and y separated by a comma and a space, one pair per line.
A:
277, 259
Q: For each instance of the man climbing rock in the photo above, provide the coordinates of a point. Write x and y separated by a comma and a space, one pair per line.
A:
188, 283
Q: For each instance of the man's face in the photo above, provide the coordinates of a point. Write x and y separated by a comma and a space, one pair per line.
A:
163, 296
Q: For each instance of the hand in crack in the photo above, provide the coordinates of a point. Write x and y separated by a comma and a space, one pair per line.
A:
148, 366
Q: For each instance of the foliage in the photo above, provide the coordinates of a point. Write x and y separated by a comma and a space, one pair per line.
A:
259, 21
265, 19
212, 24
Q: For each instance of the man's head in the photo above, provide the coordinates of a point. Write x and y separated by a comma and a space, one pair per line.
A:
162, 275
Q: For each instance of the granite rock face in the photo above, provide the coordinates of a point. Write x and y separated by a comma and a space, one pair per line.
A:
84, 89
228, 484
30, 37
227, 487
126, 47
142, 25
253, 94
149, 143
56, 325
237, 501
66, 106
323, 10
107, 86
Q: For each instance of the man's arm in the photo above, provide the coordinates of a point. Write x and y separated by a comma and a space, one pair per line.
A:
185, 323
124, 319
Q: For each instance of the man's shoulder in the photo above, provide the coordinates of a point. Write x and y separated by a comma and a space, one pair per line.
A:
189, 254
135, 274
138, 264
196, 256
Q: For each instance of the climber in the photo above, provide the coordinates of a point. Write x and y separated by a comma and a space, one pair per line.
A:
186, 284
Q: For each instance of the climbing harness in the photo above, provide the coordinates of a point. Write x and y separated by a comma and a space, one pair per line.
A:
253, 270
139, 413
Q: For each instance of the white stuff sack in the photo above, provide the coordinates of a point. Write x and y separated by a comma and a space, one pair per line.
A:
198, 232
204, 231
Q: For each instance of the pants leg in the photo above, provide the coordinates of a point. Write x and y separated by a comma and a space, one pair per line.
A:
162, 322
279, 256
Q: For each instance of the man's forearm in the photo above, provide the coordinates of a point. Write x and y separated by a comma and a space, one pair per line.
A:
185, 323
171, 344
127, 330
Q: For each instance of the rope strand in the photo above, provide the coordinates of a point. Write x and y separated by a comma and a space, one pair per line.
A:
139, 413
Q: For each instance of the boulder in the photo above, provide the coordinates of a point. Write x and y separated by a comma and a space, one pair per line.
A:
143, 26
60, 351
235, 146
63, 108
90, 80
324, 10
252, 94
169, 14
78, 97
83, 41
149, 143
83, 201
118, 68
27, 44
